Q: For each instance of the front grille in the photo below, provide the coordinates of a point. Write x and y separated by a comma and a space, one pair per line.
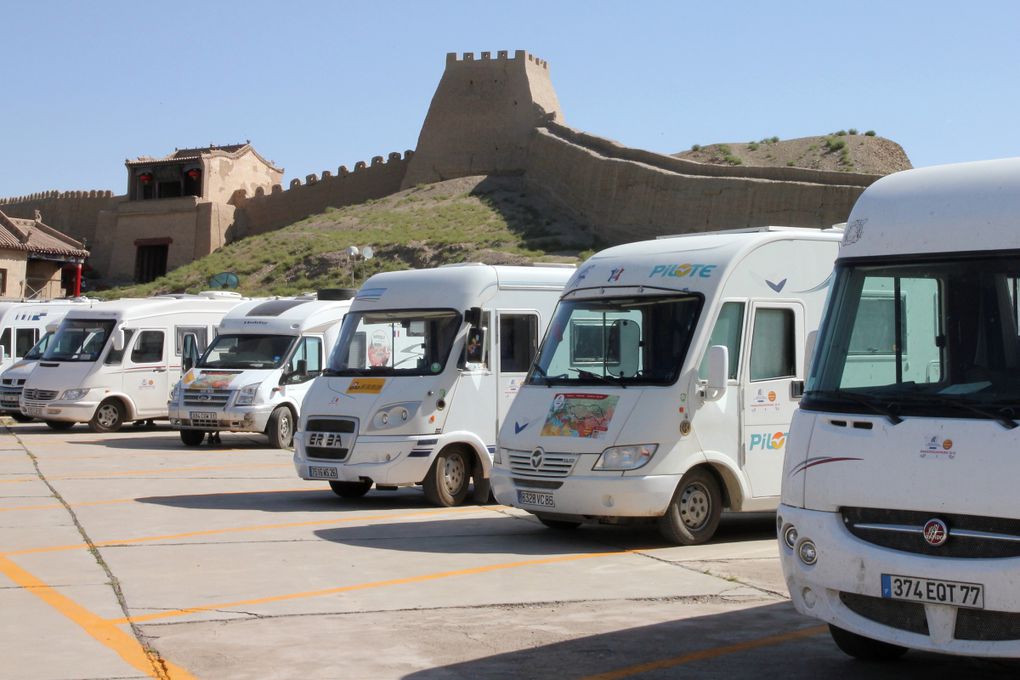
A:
330, 425
536, 484
10, 397
40, 395
550, 465
206, 398
324, 453
8, 381
989, 626
969, 535
908, 616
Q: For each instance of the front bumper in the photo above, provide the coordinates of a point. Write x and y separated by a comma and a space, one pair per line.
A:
386, 460
233, 419
850, 566
590, 497
68, 411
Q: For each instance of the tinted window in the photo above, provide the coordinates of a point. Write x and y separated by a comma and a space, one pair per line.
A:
728, 331
518, 342
149, 348
772, 345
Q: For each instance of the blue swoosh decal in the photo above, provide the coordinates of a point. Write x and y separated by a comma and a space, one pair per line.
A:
778, 287
518, 428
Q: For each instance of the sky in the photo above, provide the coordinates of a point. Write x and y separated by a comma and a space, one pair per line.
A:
315, 85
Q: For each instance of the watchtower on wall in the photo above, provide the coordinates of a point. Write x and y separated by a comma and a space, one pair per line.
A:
482, 116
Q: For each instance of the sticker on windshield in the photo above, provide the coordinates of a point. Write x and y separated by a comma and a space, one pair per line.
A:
366, 386
580, 415
436, 366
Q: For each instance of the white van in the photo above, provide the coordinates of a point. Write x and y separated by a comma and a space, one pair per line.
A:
13, 379
255, 374
666, 382
427, 363
23, 323
117, 361
899, 524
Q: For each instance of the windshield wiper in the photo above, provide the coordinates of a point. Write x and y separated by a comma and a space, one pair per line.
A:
608, 379
870, 404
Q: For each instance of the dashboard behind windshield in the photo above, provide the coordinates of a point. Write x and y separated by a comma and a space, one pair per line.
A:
626, 341
79, 340
244, 351
395, 342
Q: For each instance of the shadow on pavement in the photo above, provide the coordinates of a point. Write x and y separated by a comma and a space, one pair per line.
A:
314, 499
770, 641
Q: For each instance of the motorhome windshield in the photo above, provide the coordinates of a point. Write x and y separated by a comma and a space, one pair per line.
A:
79, 340
243, 351
398, 342
36, 353
928, 338
626, 341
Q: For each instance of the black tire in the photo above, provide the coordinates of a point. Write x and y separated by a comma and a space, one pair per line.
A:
109, 417
350, 489
192, 437
559, 524
481, 493
59, 425
693, 515
864, 648
447, 483
280, 429
22, 418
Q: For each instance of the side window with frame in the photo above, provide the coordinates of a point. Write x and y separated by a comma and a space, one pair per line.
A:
149, 348
308, 353
199, 333
518, 342
24, 340
113, 357
773, 340
728, 331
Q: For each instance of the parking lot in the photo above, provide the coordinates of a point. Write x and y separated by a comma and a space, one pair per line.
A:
129, 555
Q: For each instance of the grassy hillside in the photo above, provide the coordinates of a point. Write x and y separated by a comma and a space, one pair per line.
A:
472, 219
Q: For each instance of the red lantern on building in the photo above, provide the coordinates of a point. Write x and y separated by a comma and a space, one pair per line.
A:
194, 174
145, 177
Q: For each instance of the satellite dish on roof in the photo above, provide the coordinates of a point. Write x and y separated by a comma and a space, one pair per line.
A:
224, 280
367, 253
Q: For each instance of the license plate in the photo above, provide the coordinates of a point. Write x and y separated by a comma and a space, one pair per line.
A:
543, 500
915, 589
316, 472
203, 416
32, 410
326, 440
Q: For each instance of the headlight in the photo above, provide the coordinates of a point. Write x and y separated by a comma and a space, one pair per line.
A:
625, 457
246, 395
73, 395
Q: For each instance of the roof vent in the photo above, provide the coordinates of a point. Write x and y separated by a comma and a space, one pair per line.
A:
337, 293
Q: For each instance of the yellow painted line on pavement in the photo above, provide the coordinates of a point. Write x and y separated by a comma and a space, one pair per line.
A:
235, 530
126, 473
55, 506
706, 654
142, 618
102, 630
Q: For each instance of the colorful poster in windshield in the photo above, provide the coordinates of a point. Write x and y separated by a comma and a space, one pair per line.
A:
580, 415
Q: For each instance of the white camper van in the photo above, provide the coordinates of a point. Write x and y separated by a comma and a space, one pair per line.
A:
117, 361
13, 379
255, 374
666, 382
899, 524
427, 363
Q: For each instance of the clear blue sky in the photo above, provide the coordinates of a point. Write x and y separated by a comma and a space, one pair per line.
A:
315, 85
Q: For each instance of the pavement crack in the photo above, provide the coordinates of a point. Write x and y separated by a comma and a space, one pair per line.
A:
159, 667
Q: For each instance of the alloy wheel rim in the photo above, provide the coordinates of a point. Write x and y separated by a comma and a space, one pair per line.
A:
695, 506
453, 473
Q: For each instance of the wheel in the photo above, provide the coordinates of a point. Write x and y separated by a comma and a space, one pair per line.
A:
108, 417
280, 429
59, 425
21, 417
192, 437
351, 489
447, 481
561, 524
693, 515
864, 648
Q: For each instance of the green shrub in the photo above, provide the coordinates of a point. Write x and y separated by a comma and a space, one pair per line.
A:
752, 146
725, 149
695, 147
732, 160
852, 131
790, 163
870, 133
773, 139
840, 133
832, 144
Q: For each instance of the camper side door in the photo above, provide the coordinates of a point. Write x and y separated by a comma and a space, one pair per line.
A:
774, 362
516, 346
145, 375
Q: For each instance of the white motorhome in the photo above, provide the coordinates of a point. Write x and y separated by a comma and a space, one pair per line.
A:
116, 362
666, 382
13, 379
899, 525
254, 376
427, 363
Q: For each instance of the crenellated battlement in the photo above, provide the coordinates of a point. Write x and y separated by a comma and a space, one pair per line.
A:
486, 57
360, 168
43, 195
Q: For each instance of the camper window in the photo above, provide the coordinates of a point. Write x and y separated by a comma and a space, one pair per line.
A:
199, 333
114, 356
773, 354
518, 342
308, 355
24, 339
5, 341
395, 342
79, 340
149, 348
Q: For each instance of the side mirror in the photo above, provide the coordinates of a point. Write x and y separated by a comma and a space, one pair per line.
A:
809, 351
302, 367
473, 316
718, 372
118, 340
187, 363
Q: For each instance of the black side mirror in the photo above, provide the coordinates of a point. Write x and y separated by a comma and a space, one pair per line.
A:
302, 367
473, 316
187, 363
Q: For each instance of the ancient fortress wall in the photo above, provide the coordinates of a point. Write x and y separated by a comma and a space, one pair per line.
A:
76, 213
265, 212
624, 200
482, 115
